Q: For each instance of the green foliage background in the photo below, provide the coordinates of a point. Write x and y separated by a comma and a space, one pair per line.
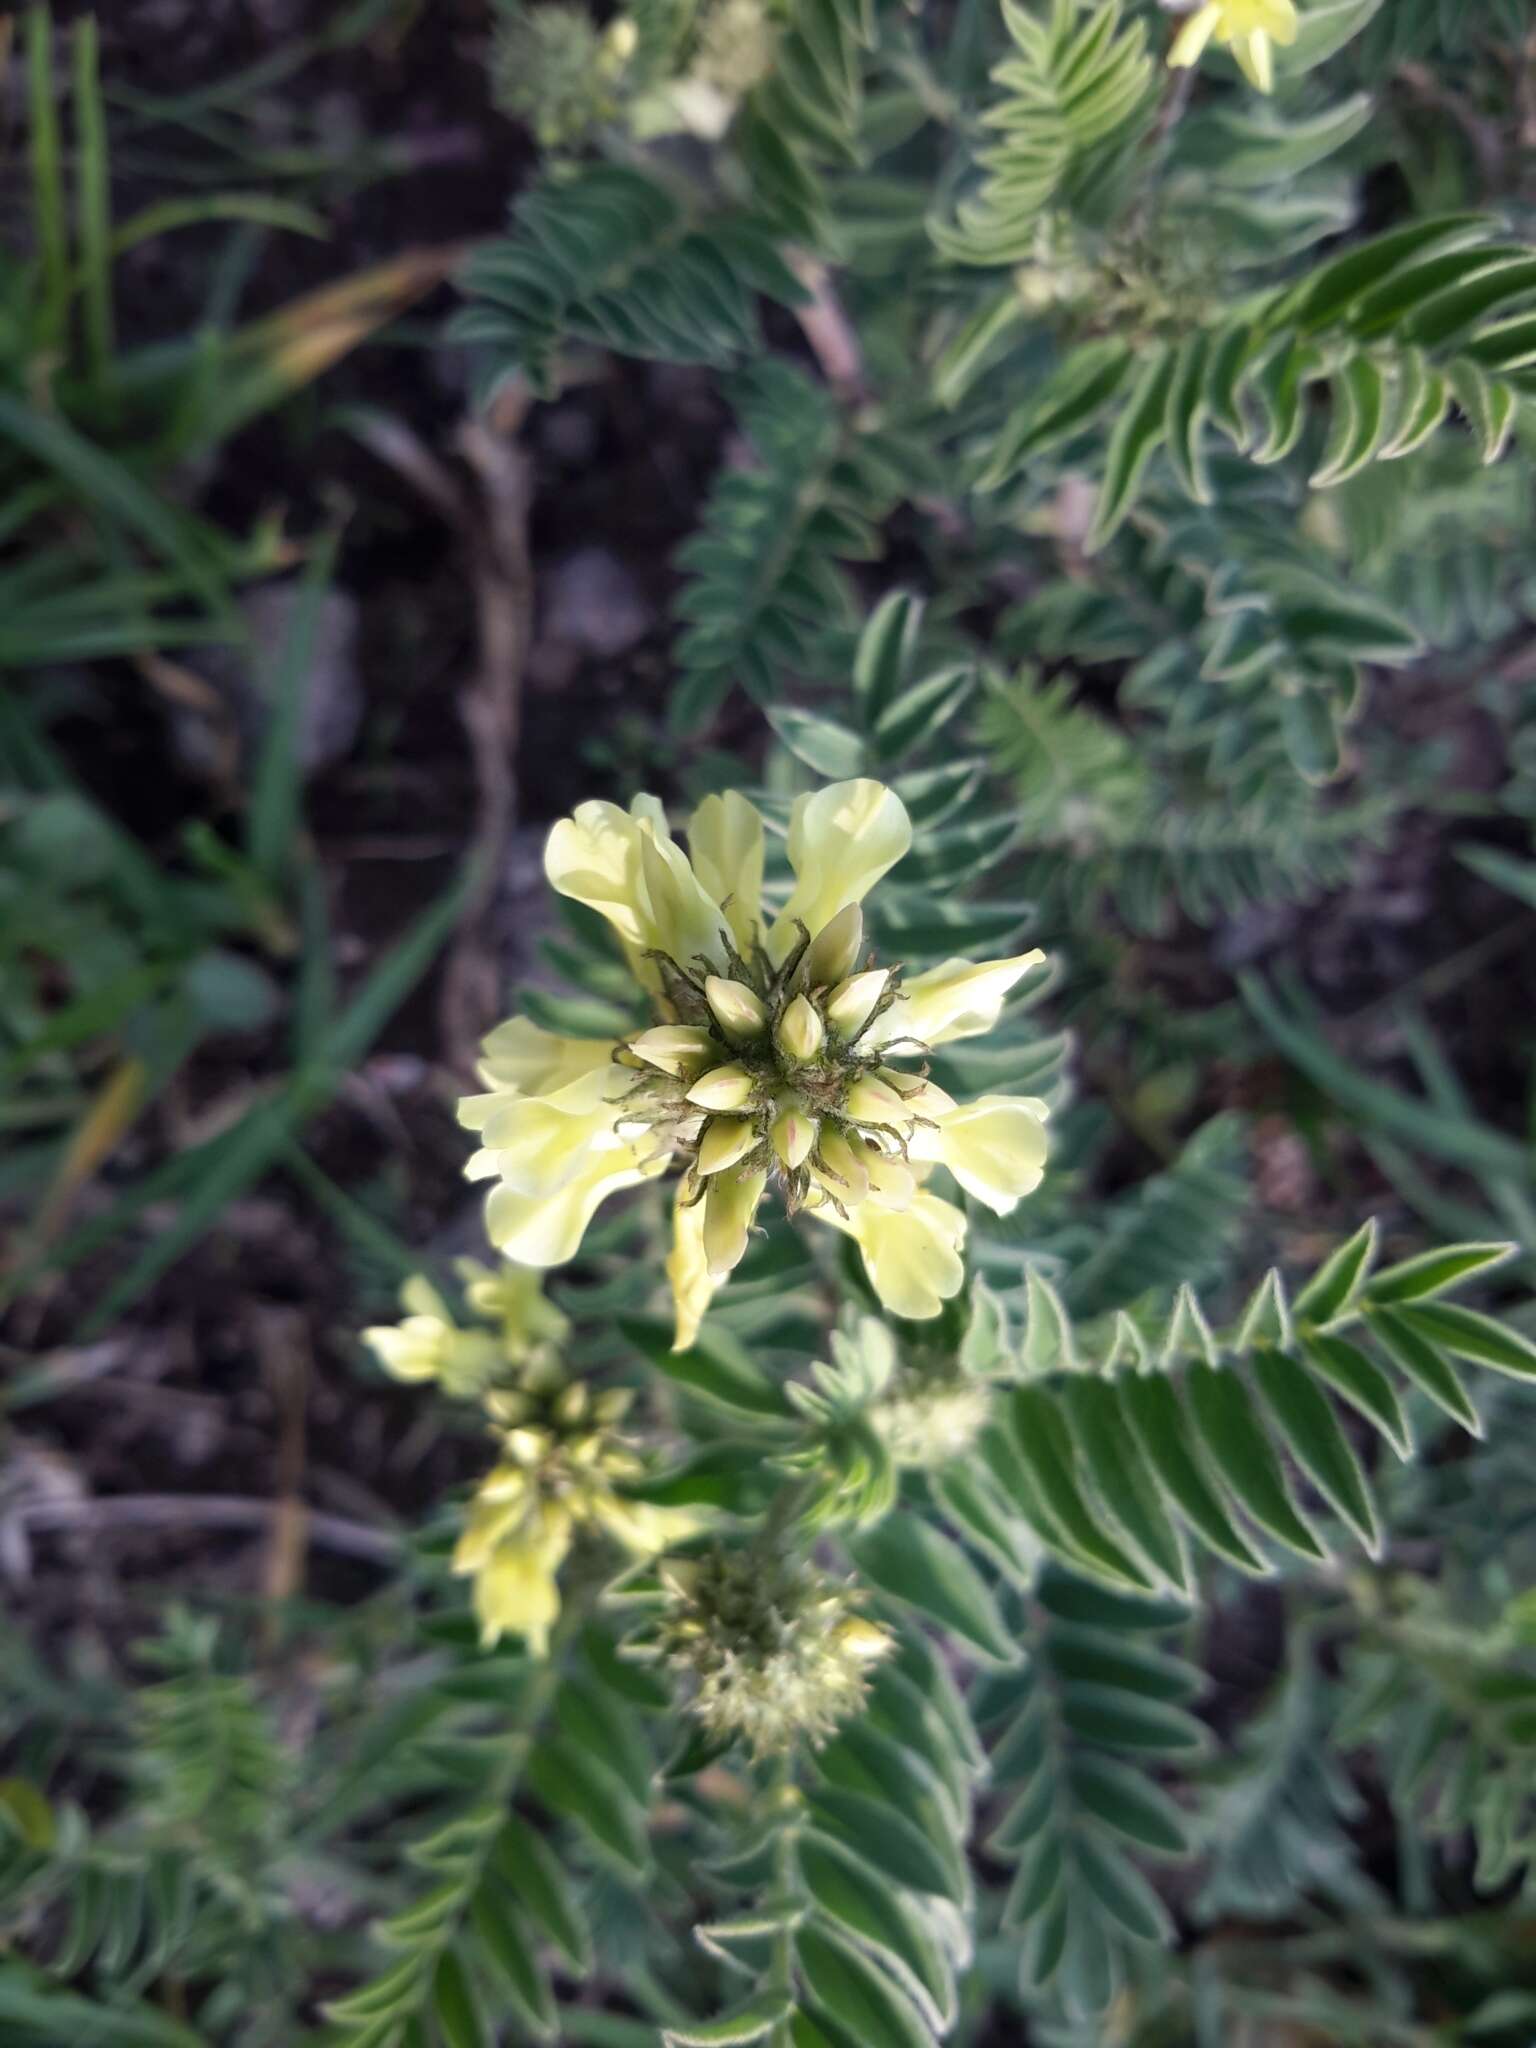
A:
1116, 449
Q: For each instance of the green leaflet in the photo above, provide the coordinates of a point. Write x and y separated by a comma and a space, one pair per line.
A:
1319, 1446
1121, 1474
903, 1556
1354, 1375
867, 1907
529, 1866
887, 1838
1417, 1356
455, 2006
1241, 1452
1138, 433
752, 2021
505, 1941
856, 1995
582, 1787
1045, 1444
1158, 1419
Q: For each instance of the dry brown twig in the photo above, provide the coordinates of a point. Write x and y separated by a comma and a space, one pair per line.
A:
191, 1511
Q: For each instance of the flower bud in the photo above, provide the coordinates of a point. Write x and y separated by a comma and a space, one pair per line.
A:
794, 1136
871, 1101
801, 1033
736, 1009
729, 1208
846, 1174
724, 1088
834, 951
863, 1640
726, 1140
621, 39
679, 1049
852, 1003
572, 1402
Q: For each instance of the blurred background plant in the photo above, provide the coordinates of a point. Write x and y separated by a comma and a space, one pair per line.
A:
944, 394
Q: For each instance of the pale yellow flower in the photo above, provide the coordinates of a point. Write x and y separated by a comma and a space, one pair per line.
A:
513, 1298
517, 1588
561, 1467
1248, 28
426, 1344
780, 1056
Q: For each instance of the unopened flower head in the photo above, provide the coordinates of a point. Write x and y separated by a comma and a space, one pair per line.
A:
878, 1407
1248, 28
561, 1466
930, 1418
553, 68
783, 1056
775, 1652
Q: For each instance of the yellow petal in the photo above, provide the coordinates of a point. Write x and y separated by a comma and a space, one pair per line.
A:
641, 1527
725, 843
517, 1592
594, 857
842, 839
521, 1056
418, 1297
912, 1255
960, 999
1256, 58
891, 1180
1192, 38
688, 1271
412, 1350
919, 1096
995, 1147
546, 1230
685, 924
539, 1146
729, 1208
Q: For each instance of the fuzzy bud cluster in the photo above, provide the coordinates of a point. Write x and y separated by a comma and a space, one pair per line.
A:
775, 1652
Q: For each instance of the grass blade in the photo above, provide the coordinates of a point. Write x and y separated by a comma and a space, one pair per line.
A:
272, 821
49, 223
93, 201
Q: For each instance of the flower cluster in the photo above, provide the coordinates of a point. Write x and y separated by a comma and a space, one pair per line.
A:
562, 1463
775, 1651
1248, 28
560, 1471
782, 1054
